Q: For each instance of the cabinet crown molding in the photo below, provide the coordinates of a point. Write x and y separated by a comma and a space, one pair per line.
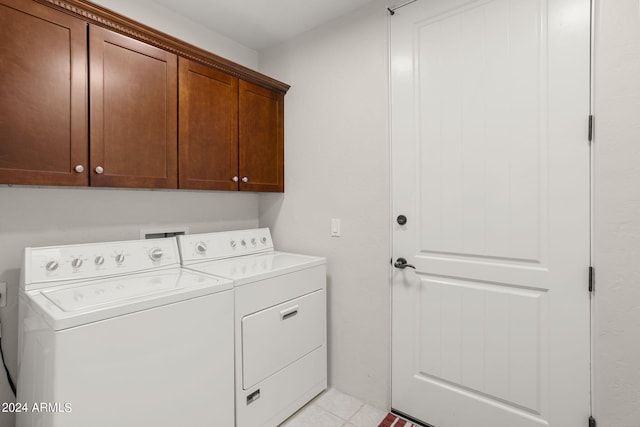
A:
100, 16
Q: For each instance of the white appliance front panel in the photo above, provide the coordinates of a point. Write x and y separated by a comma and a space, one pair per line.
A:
164, 367
277, 336
273, 399
70, 305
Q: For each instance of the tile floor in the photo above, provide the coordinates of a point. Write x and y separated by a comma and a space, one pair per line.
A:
333, 408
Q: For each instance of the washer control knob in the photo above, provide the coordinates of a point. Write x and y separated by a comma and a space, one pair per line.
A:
233, 243
52, 266
155, 254
263, 240
253, 241
120, 258
76, 263
243, 243
99, 260
201, 248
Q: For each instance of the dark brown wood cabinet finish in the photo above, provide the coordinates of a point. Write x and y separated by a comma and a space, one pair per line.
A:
89, 97
133, 119
208, 128
43, 102
261, 139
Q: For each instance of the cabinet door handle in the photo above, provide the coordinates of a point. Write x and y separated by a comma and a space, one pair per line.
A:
99, 169
234, 179
79, 168
245, 179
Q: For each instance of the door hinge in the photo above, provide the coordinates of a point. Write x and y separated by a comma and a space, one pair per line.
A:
592, 422
590, 128
592, 279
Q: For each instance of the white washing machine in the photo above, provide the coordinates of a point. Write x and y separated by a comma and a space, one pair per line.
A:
117, 334
280, 320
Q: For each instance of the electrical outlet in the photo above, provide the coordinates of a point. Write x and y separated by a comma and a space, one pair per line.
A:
3, 294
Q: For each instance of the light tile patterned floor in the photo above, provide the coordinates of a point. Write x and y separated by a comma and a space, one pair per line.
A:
336, 409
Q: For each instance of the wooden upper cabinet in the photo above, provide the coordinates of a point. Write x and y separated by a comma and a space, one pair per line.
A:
133, 122
261, 138
208, 128
83, 105
43, 103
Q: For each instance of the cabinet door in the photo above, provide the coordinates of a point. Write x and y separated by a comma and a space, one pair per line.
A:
208, 123
133, 90
43, 107
261, 139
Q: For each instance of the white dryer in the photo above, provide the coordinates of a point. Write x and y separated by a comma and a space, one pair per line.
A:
280, 320
117, 334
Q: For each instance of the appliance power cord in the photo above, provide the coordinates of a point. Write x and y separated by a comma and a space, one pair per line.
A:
11, 384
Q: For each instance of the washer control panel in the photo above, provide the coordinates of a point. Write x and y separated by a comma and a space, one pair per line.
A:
224, 244
94, 260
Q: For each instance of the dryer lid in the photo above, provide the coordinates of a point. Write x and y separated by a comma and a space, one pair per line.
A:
248, 269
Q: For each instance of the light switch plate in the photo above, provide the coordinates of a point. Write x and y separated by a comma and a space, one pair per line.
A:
335, 227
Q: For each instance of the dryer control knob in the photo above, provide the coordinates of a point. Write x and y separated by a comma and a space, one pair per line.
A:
76, 263
52, 266
155, 254
233, 243
99, 260
120, 258
253, 241
264, 240
201, 248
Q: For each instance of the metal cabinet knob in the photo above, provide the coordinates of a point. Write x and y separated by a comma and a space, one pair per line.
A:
245, 179
234, 179
79, 168
99, 169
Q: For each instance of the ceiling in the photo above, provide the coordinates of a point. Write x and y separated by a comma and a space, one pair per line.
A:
259, 24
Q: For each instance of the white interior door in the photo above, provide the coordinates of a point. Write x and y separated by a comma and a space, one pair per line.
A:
490, 105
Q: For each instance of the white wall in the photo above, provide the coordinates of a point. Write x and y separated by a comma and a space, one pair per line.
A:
617, 213
31, 216
337, 166
160, 18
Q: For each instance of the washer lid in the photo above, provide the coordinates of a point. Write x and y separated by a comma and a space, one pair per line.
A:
250, 268
70, 305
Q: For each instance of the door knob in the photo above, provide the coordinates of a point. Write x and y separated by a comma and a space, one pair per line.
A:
401, 263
